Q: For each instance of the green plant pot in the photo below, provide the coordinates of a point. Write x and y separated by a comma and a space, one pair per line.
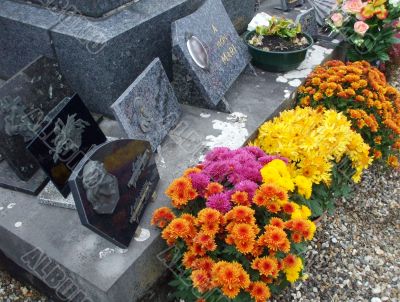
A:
277, 61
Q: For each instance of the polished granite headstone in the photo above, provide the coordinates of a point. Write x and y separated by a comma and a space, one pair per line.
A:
308, 22
148, 109
25, 100
209, 55
112, 186
70, 133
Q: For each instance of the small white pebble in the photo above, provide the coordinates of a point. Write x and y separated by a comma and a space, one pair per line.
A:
334, 240
376, 299
11, 205
1, 208
18, 224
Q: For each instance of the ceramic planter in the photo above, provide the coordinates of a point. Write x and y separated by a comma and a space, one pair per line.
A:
277, 61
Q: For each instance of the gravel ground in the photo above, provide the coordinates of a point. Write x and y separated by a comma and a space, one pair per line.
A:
13, 290
355, 255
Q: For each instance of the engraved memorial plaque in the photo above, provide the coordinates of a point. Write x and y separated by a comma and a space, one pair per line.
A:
209, 53
308, 22
25, 100
148, 109
69, 134
112, 186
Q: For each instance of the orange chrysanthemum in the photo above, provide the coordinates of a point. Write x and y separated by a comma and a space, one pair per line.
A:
162, 216
275, 239
201, 280
181, 192
259, 291
267, 266
213, 188
192, 170
240, 198
188, 259
230, 277
275, 221
241, 214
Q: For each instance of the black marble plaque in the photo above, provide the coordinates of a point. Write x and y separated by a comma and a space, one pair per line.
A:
211, 53
129, 165
69, 134
25, 100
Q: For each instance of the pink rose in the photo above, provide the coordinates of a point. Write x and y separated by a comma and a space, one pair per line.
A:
353, 6
337, 19
361, 28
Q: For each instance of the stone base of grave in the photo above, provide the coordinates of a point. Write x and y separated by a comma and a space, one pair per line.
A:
51, 247
9, 180
100, 57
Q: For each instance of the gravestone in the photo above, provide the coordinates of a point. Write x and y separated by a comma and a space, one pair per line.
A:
209, 56
148, 109
308, 22
288, 5
69, 134
25, 100
112, 186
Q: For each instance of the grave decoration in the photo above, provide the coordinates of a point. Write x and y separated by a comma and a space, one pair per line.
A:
308, 22
209, 56
235, 231
362, 93
25, 100
367, 27
148, 109
112, 186
70, 132
288, 5
279, 46
326, 154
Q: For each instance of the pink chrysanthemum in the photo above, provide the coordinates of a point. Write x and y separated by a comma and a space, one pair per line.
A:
219, 202
247, 186
200, 181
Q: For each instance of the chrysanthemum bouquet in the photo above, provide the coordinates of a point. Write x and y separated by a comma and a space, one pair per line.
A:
363, 95
322, 149
233, 227
367, 26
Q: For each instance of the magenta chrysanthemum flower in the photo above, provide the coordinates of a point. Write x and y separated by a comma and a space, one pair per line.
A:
199, 181
219, 202
218, 153
256, 151
247, 186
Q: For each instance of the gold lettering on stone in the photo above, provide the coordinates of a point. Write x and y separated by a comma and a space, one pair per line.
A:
214, 28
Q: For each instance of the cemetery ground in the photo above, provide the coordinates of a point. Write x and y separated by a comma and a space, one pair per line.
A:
353, 257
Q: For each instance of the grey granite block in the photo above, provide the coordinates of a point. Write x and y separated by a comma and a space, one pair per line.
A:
241, 12
24, 35
91, 8
102, 58
211, 52
148, 109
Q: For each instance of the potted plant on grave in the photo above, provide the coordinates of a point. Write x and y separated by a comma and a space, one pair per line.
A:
279, 46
